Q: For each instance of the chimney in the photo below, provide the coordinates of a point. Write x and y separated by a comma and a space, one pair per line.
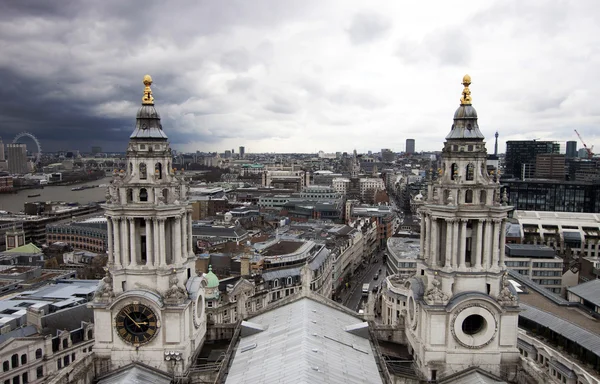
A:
245, 265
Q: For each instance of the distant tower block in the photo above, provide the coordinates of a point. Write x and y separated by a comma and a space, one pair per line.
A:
496, 144
410, 146
242, 152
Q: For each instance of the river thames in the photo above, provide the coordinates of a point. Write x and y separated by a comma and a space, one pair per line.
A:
15, 202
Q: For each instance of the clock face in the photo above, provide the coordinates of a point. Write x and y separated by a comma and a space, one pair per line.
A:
136, 324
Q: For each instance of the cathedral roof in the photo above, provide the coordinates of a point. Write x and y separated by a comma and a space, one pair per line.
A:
148, 124
465, 118
211, 278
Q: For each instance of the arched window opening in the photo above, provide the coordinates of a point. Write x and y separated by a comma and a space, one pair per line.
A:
23, 359
130, 195
90, 334
65, 343
482, 197
130, 168
275, 283
470, 171
143, 194
469, 196
143, 171
5, 366
14, 360
483, 170
289, 280
38, 353
158, 170
453, 171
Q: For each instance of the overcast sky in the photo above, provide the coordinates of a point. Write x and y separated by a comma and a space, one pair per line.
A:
298, 76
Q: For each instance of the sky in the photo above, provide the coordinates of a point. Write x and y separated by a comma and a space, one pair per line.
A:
298, 76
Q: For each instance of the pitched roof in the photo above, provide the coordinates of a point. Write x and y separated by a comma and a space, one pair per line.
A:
304, 341
27, 248
136, 373
589, 291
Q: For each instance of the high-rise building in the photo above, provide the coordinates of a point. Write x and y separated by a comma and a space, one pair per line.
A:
1, 149
17, 158
150, 306
242, 152
410, 146
571, 149
521, 155
461, 310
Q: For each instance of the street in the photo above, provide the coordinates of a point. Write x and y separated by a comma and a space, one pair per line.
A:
353, 299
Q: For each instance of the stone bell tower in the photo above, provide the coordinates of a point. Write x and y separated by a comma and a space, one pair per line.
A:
149, 307
461, 310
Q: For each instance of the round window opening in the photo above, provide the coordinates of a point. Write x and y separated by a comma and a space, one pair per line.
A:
473, 324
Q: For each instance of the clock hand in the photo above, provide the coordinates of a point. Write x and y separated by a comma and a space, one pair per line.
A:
136, 324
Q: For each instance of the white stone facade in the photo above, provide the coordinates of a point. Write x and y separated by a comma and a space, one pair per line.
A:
461, 311
150, 258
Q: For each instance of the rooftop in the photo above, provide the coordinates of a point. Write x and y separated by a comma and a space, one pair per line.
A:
589, 291
282, 247
304, 341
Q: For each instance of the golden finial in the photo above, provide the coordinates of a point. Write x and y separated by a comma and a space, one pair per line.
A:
466, 93
147, 99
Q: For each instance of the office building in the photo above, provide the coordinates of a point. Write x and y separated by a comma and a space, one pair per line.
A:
1, 150
550, 166
571, 149
553, 195
521, 156
387, 155
410, 146
242, 152
17, 158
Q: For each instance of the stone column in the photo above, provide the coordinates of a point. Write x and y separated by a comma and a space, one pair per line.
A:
502, 243
448, 251
109, 227
156, 248
132, 241
478, 245
427, 220
495, 245
183, 236
177, 239
149, 239
117, 245
190, 237
456, 243
434, 241
125, 243
422, 237
590, 244
162, 237
597, 248
487, 244
463, 246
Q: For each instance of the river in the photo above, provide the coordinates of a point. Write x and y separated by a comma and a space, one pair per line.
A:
15, 202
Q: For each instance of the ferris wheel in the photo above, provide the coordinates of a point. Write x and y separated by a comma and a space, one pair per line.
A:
38, 157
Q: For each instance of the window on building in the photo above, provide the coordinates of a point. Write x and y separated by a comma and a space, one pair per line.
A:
143, 194
14, 359
16, 380
470, 171
158, 170
39, 371
143, 171
5, 366
23, 359
66, 360
65, 343
59, 363
25, 377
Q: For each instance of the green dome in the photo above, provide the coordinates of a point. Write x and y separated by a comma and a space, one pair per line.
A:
211, 278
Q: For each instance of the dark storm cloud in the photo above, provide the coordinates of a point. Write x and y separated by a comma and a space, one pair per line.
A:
71, 70
367, 27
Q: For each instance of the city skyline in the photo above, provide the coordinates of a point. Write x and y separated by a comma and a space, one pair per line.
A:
298, 76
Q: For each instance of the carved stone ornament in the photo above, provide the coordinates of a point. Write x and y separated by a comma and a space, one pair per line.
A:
104, 291
175, 294
506, 297
435, 295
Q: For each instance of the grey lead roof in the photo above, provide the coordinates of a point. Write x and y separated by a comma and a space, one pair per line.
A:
568, 330
136, 374
304, 342
147, 125
589, 291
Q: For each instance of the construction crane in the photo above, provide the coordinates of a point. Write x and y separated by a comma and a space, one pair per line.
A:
590, 154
